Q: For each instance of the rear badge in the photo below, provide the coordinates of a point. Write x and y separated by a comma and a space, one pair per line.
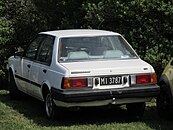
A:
80, 72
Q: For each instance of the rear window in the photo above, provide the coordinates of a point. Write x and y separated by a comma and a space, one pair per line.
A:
94, 48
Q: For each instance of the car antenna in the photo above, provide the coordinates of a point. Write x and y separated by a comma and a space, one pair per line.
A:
100, 24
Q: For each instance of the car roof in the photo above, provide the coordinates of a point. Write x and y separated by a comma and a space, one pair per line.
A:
78, 32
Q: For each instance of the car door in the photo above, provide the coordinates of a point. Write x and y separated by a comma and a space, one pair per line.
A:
41, 65
25, 65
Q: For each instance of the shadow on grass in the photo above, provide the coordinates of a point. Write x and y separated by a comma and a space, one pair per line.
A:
34, 110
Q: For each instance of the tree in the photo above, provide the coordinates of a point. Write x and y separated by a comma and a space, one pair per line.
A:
146, 24
6, 33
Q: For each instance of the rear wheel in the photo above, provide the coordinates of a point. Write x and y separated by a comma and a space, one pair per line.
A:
164, 102
14, 91
52, 111
136, 109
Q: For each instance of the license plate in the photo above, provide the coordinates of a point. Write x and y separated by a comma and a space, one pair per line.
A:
111, 80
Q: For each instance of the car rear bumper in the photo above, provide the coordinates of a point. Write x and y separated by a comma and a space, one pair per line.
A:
78, 96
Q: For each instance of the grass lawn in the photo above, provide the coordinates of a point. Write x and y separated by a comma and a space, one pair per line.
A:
28, 114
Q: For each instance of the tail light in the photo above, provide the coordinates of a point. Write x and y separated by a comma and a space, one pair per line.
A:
144, 78
76, 82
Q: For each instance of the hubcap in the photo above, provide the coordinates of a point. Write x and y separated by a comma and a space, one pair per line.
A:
49, 105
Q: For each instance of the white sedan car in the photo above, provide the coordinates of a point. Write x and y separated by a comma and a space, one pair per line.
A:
82, 68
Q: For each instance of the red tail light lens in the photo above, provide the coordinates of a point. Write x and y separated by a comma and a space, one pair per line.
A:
143, 78
80, 82
146, 78
75, 82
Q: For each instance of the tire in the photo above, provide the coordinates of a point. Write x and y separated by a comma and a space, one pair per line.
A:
136, 109
52, 111
164, 102
15, 93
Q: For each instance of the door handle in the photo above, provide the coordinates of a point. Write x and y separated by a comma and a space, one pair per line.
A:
44, 71
28, 65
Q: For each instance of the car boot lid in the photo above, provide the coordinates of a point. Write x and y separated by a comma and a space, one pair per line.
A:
107, 67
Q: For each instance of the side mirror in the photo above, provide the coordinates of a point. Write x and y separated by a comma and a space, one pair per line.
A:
19, 53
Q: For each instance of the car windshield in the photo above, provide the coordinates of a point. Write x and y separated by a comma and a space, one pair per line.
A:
94, 47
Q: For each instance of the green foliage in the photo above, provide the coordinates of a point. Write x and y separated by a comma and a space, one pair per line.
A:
27, 21
6, 33
146, 24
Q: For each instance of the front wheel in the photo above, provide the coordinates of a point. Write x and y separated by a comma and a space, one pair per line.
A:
164, 102
136, 109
